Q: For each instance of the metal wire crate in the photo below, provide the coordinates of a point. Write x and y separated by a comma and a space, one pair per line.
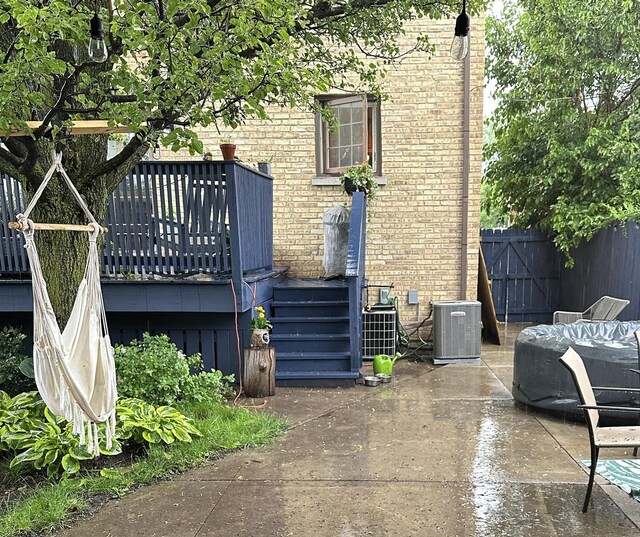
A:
378, 331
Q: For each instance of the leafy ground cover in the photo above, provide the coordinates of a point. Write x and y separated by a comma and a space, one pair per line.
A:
171, 416
31, 505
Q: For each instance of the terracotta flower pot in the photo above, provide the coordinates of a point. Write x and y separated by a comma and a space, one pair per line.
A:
228, 151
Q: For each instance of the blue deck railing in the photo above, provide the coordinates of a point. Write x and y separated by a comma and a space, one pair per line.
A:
171, 218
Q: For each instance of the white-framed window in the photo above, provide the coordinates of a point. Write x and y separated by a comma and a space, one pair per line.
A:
354, 138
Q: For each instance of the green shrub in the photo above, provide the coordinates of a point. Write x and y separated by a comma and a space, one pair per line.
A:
12, 379
207, 386
155, 371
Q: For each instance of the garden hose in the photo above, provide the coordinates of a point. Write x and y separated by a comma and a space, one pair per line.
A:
403, 337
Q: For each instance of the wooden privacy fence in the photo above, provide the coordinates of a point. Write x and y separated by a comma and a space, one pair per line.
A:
609, 264
523, 266
171, 218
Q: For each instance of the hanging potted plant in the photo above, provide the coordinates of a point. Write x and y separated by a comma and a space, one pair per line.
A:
228, 149
360, 178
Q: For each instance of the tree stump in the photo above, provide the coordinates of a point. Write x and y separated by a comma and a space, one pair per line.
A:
259, 371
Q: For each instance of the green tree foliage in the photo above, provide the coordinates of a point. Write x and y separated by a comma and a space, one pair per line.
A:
566, 154
174, 65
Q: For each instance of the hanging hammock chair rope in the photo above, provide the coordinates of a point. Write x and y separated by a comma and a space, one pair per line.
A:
74, 368
56, 166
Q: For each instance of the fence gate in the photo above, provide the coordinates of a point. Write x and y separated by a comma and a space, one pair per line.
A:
524, 270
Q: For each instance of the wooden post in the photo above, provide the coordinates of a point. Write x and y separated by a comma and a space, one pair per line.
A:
259, 367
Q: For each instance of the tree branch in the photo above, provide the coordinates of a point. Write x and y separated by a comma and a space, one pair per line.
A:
10, 164
64, 91
32, 155
121, 164
122, 98
632, 89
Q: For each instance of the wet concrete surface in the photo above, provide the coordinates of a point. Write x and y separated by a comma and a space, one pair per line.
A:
439, 451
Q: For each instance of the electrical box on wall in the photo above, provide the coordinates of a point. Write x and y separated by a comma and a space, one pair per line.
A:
457, 331
413, 296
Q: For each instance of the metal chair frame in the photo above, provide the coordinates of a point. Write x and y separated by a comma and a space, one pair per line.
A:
606, 308
599, 437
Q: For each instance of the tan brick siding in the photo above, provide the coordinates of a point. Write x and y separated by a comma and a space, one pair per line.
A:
414, 239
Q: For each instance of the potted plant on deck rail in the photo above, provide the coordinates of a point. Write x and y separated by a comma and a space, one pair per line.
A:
360, 178
228, 149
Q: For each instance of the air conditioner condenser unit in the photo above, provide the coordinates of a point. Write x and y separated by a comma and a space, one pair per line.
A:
457, 331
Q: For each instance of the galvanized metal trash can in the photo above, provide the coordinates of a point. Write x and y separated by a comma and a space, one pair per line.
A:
336, 240
457, 331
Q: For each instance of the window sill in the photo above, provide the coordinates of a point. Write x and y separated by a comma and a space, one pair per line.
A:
333, 180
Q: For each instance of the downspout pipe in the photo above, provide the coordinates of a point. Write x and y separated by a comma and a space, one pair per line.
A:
466, 155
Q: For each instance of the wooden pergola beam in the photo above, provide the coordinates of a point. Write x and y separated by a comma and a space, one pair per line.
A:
94, 126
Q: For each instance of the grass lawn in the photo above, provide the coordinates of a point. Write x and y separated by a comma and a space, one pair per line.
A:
48, 504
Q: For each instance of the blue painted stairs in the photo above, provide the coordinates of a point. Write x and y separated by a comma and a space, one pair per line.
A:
311, 333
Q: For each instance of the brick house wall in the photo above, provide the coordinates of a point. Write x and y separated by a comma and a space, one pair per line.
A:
415, 237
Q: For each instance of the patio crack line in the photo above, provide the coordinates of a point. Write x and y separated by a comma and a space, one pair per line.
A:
363, 397
490, 368
576, 461
215, 504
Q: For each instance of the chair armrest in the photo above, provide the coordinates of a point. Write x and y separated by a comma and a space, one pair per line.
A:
608, 389
610, 408
566, 316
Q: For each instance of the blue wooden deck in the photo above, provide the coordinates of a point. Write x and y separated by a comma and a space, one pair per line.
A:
189, 253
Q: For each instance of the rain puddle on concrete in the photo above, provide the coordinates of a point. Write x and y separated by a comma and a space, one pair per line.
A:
488, 497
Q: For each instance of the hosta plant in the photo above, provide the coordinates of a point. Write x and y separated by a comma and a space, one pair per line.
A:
48, 444
17, 414
143, 423
41, 441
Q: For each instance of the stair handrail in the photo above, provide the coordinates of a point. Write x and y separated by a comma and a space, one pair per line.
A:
355, 274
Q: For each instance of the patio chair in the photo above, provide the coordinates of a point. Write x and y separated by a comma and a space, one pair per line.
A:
606, 308
620, 436
637, 371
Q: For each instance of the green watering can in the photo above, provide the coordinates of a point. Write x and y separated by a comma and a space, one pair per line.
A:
383, 363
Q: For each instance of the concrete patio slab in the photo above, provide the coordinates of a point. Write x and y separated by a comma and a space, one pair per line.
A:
167, 508
440, 451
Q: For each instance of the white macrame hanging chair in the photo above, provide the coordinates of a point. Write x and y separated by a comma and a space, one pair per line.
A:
74, 368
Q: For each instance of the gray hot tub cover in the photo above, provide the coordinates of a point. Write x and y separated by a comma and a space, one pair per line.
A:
609, 351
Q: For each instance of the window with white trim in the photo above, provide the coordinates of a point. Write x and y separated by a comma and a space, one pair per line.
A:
354, 138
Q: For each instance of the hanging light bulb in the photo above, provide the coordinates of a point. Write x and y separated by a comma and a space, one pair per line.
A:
97, 49
460, 43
